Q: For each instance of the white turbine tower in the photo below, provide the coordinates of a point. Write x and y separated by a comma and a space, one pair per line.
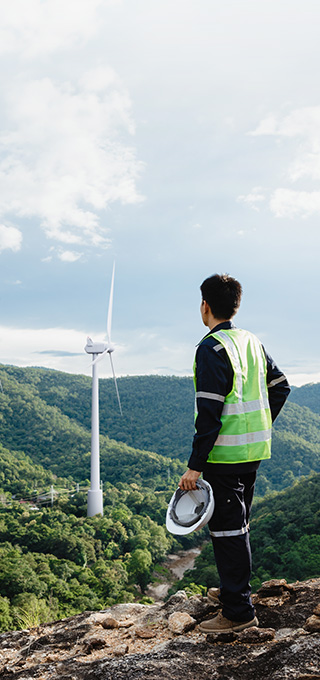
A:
98, 351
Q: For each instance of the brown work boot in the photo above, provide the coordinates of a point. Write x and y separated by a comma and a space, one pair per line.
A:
222, 625
213, 595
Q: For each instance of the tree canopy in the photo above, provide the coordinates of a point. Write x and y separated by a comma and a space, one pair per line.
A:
56, 562
46, 414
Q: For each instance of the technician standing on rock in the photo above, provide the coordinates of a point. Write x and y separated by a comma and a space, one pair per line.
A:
239, 393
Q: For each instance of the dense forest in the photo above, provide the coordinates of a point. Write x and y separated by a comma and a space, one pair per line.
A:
20, 476
62, 445
45, 414
54, 561
307, 395
284, 536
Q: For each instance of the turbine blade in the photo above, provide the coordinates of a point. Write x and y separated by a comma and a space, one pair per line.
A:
109, 319
99, 357
116, 385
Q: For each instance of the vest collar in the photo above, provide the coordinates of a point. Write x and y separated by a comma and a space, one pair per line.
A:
225, 325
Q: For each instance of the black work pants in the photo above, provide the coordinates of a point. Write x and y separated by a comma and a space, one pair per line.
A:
233, 495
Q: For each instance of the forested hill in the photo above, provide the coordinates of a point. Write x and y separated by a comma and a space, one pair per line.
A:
35, 432
45, 414
307, 395
158, 412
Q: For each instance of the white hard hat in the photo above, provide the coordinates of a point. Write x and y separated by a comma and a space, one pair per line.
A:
190, 510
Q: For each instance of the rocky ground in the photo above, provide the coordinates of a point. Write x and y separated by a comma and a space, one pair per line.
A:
163, 642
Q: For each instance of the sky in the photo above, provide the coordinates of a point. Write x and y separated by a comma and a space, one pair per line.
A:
177, 139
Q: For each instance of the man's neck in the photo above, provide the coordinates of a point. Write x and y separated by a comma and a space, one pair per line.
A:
213, 322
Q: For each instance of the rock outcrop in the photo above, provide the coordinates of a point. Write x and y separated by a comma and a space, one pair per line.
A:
163, 642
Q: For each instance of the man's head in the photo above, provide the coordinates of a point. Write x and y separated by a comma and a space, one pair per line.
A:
222, 294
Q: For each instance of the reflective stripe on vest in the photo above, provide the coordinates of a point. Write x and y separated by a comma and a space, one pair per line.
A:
240, 439
243, 407
245, 434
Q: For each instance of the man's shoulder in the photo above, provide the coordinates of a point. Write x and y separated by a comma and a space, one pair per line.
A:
208, 342
211, 351
212, 359
235, 332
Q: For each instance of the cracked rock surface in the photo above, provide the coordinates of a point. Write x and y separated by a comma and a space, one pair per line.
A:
133, 642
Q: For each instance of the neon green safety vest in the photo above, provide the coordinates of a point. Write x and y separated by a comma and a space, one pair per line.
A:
245, 434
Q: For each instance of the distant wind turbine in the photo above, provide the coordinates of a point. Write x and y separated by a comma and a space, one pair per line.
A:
98, 351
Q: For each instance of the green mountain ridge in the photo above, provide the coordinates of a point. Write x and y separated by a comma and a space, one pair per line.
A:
307, 395
60, 444
142, 398
46, 415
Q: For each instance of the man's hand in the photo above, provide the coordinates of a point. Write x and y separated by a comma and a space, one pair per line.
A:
188, 480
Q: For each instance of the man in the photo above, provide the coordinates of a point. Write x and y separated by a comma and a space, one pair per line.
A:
239, 393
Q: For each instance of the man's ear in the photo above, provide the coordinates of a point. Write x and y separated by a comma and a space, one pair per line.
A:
206, 307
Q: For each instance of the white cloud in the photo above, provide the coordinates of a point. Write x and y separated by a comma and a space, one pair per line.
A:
302, 122
64, 155
253, 198
302, 127
63, 349
267, 126
43, 26
299, 379
289, 203
69, 256
10, 238
57, 348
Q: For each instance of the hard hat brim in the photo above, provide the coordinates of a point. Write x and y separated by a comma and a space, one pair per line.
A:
178, 529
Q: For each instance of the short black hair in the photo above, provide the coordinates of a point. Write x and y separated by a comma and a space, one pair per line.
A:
223, 295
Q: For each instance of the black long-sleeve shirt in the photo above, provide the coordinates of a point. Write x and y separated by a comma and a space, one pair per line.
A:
214, 375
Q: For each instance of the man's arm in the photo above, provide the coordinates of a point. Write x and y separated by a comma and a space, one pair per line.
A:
278, 387
214, 378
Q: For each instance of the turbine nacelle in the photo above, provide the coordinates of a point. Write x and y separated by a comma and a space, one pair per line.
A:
98, 347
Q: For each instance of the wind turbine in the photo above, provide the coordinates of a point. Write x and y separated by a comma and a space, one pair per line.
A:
98, 351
